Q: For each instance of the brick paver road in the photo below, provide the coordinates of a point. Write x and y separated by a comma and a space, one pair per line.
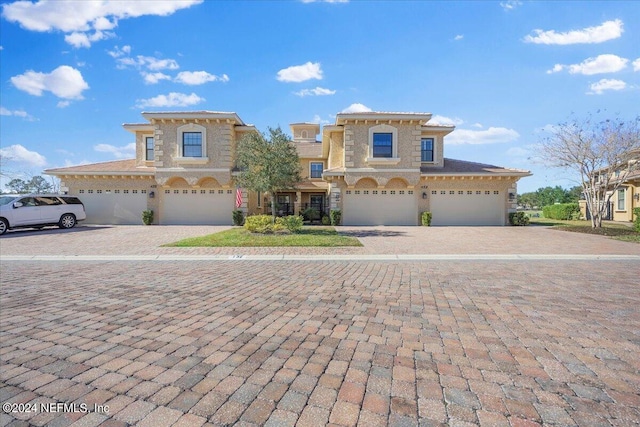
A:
191, 343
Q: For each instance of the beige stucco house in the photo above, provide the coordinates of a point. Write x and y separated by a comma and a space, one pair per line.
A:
625, 198
377, 168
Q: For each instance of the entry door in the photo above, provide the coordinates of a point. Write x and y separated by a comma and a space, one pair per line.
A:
284, 204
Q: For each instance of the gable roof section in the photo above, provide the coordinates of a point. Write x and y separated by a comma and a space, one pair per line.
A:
117, 167
454, 167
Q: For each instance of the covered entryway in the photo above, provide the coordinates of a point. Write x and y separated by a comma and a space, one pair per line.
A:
467, 207
188, 206
380, 207
116, 206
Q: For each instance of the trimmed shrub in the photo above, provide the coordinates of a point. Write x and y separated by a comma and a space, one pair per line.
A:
293, 223
147, 217
238, 218
561, 211
426, 219
326, 220
518, 218
310, 214
261, 224
336, 216
636, 222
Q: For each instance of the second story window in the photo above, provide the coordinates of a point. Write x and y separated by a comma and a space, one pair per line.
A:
426, 151
382, 145
149, 147
316, 169
192, 144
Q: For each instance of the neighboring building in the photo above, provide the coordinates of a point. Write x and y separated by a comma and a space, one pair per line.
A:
378, 168
625, 198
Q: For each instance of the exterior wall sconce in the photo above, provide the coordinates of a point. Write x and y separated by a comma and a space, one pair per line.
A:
152, 194
424, 194
512, 196
337, 197
636, 196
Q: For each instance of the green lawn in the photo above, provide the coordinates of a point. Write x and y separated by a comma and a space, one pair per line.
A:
239, 237
617, 231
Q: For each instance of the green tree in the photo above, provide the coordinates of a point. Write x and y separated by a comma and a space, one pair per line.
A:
17, 185
268, 163
36, 184
602, 152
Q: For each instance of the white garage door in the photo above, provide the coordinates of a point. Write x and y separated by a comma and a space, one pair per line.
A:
197, 207
380, 207
114, 206
467, 207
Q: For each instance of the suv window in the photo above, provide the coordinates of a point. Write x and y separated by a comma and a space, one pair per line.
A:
28, 201
48, 201
5, 200
71, 200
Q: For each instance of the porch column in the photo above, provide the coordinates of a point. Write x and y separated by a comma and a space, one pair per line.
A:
297, 203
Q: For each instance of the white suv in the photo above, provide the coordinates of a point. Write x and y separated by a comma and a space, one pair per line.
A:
39, 210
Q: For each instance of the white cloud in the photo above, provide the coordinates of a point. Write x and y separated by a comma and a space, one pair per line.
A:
78, 40
173, 99
510, 4
64, 82
606, 63
320, 120
356, 108
142, 62
636, 65
300, 73
442, 120
75, 18
199, 77
17, 153
478, 125
606, 84
493, 135
459, 37
608, 30
157, 64
17, 113
126, 151
63, 104
153, 78
318, 91
118, 52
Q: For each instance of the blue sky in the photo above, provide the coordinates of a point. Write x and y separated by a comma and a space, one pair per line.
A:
502, 71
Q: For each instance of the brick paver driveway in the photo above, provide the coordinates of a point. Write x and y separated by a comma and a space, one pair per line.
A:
233, 342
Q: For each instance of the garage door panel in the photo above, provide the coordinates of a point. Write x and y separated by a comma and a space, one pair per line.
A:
114, 208
380, 207
197, 207
467, 207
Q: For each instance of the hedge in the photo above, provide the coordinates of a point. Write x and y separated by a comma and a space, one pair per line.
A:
636, 222
561, 211
261, 224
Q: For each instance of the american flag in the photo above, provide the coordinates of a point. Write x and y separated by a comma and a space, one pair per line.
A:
238, 197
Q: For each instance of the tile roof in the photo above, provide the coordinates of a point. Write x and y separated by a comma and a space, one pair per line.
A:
120, 167
454, 166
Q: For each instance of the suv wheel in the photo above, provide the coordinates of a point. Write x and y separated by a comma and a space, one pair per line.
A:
67, 221
4, 226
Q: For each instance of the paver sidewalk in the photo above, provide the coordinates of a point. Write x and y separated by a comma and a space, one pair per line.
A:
191, 343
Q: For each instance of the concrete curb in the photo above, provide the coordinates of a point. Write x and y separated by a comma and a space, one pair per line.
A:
320, 258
